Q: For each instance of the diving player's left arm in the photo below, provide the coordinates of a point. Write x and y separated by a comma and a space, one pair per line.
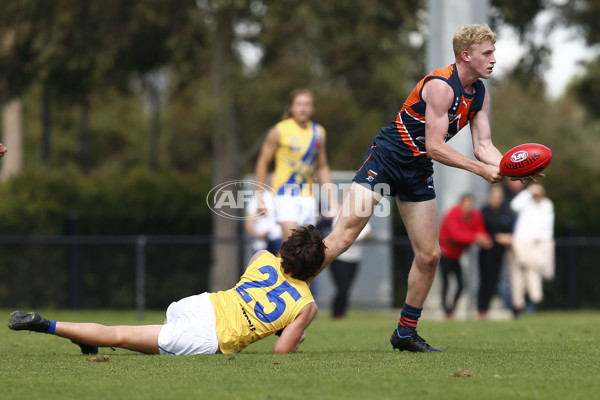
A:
295, 333
324, 175
481, 133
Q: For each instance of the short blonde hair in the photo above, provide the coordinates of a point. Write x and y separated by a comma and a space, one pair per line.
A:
468, 35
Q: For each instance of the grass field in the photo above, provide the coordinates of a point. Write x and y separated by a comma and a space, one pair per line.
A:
545, 356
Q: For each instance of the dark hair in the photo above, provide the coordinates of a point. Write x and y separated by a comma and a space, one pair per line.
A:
303, 253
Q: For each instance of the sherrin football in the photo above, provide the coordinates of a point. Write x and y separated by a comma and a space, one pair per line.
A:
525, 160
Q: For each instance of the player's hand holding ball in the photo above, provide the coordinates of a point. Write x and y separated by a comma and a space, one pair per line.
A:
525, 161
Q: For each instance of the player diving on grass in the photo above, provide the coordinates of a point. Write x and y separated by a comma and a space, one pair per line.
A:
272, 296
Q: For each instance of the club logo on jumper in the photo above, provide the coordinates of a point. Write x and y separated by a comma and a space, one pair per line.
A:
230, 199
295, 143
519, 156
371, 175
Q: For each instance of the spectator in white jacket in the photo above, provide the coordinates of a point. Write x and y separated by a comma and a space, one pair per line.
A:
533, 246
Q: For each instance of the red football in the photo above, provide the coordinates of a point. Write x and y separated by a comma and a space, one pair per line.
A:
525, 160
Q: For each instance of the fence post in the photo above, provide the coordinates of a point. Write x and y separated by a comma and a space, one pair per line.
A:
572, 266
140, 276
73, 260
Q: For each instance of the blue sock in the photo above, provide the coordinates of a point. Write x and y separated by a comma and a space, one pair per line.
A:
409, 317
52, 328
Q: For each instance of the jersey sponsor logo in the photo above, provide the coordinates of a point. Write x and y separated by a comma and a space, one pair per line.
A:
250, 324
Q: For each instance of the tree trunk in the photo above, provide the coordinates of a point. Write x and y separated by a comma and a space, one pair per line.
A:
46, 123
12, 128
84, 138
225, 268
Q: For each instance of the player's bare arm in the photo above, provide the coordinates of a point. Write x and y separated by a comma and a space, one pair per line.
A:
2, 150
483, 148
265, 158
439, 96
293, 334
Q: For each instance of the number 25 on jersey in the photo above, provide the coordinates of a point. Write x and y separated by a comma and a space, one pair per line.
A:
273, 295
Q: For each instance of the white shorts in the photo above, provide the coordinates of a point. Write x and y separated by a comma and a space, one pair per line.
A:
299, 209
190, 327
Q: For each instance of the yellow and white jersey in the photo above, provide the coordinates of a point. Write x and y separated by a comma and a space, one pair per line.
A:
264, 301
296, 157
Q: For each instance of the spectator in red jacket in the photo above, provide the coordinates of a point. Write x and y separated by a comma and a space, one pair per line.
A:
462, 226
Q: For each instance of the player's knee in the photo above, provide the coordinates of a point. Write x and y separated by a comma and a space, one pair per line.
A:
429, 258
120, 337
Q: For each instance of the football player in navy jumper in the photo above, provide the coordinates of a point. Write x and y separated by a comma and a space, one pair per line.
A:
399, 163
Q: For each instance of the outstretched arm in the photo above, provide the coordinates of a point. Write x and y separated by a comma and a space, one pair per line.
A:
295, 333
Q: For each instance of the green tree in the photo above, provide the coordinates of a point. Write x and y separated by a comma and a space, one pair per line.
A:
584, 16
586, 89
520, 116
521, 15
75, 48
357, 57
225, 67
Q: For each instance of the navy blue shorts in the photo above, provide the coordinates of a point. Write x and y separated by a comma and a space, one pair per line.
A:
409, 178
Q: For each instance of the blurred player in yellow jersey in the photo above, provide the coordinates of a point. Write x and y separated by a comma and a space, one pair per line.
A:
297, 145
272, 296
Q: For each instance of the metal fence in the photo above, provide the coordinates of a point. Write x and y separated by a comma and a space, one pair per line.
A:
150, 271
102, 271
